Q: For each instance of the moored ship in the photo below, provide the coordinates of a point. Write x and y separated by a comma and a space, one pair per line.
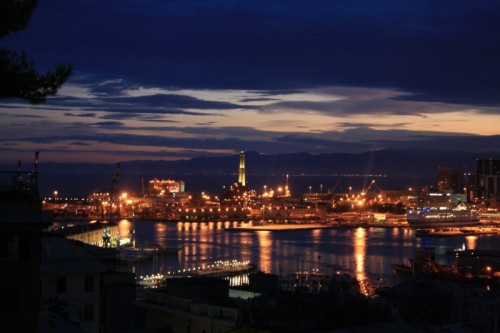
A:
459, 216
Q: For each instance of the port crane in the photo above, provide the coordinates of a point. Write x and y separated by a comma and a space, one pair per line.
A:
372, 183
18, 181
335, 186
115, 190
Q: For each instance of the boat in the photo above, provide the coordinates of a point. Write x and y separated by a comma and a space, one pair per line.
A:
423, 263
464, 231
429, 218
490, 216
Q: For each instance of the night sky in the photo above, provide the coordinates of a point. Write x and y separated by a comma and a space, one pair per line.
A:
183, 78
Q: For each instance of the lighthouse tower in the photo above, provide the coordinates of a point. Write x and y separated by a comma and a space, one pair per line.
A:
241, 176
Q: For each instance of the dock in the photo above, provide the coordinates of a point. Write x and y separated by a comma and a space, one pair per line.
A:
283, 227
221, 269
450, 232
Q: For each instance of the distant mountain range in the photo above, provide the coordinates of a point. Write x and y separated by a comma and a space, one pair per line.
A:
210, 173
409, 162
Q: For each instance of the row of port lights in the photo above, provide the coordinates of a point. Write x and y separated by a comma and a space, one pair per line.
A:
218, 264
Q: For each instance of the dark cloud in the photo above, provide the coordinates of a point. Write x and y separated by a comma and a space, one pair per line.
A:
80, 143
355, 140
370, 125
21, 115
435, 51
263, 99
123, 103
175, 101
137, 61
112, 88
136, 116
150, 104
366, 102
84, 115
138, 109
108, 124
208, 123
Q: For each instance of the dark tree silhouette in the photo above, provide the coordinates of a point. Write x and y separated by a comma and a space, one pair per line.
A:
18, 75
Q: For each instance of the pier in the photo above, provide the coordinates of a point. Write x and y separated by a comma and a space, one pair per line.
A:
220, 268
282, 227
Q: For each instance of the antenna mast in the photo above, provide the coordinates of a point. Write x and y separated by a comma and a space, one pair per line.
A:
34, 176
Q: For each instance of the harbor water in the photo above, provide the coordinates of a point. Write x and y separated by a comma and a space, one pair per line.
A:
364, 253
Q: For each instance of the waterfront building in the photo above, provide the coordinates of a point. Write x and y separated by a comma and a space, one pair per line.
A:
70, 284
103, 205
50, 283
98, 234
427, 301
434, 198
326, 199
21, 224
481, 308
160, 187
191, 305
79, 286
408, 198
117, 301
450, 179
488, 181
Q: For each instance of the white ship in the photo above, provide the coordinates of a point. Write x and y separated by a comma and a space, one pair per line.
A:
426, 217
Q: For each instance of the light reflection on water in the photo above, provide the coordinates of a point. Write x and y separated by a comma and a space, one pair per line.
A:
366, 253
470, 242
264, 250
359, 253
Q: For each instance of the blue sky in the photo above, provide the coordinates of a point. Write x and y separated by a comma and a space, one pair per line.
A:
167, 79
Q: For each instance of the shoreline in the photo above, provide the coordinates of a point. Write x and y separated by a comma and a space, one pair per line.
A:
282, 227
311, 226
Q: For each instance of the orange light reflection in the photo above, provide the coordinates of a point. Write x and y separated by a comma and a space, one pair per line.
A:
265, 244
359, 257
124, 229
471, 242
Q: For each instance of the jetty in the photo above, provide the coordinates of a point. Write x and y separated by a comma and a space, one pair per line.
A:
221, 268
282, 227
451, 232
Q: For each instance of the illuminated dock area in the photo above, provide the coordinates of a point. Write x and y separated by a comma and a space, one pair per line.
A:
221, 268
283, 227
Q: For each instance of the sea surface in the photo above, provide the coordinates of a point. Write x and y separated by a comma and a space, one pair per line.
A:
364, 253
82, 185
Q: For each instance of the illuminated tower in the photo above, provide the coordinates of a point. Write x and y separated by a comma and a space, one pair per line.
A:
287, 189
488, 180
241, 176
